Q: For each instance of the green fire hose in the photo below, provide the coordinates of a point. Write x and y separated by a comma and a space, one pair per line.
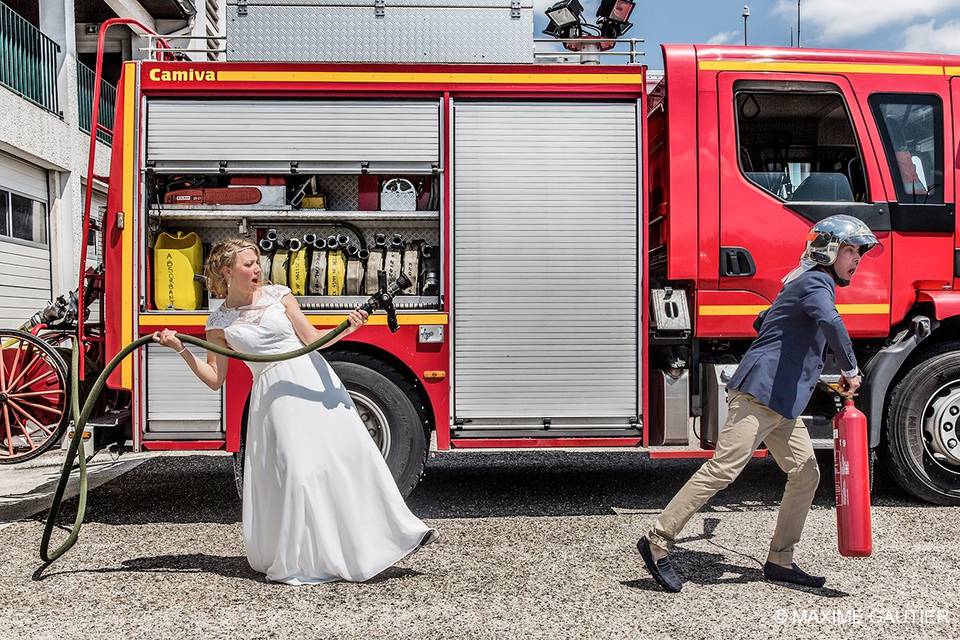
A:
383, 299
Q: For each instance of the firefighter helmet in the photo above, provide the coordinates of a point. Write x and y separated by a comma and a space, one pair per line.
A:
827, 236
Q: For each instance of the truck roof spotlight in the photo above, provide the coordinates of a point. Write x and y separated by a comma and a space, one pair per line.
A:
563, 15
613, 17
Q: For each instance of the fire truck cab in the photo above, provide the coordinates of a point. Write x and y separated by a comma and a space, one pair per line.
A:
588, 259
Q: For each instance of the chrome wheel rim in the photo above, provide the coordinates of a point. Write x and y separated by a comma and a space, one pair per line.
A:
374, 420
941, 421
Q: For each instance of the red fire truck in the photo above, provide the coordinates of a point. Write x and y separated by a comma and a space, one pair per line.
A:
589, 259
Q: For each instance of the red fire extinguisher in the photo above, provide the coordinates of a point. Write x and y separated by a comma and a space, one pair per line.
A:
852, 482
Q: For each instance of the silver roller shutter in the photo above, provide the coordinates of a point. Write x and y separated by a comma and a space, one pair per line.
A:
24, 282
178, 404
25, 285
23, 177
546, 277
321, 135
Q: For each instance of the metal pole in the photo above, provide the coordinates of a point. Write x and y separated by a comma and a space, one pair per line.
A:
798, 24
746, 14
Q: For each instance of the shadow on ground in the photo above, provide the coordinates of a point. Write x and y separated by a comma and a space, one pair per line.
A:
191, 489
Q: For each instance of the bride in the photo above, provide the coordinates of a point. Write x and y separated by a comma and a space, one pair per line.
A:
319, 503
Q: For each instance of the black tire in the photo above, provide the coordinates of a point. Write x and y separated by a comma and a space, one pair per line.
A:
907, 455
238, 455
51, 355
385, 387
370, 379
238, 466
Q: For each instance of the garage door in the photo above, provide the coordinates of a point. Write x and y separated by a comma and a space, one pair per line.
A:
24, 241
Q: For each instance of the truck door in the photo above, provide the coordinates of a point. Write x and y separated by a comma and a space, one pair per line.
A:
955, 169
794, 151
910, 123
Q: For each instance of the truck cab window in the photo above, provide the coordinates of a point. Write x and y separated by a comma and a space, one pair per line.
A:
912, 131
799, 146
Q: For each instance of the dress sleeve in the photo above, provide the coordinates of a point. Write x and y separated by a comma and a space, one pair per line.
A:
277, 291
217, 320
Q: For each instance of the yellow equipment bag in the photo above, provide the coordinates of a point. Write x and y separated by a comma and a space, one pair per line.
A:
314, 202
298, 272
278, 270
336, 272
176, 260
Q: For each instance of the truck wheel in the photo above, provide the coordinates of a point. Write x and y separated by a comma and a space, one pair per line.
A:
921, 443
385, 406
388, 414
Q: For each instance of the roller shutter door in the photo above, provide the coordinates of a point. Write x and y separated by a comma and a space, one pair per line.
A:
546, 311
25, 283
325, 134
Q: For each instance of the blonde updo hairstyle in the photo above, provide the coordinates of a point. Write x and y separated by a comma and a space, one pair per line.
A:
224, 254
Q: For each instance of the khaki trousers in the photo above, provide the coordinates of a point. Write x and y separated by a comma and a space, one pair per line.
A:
748, 424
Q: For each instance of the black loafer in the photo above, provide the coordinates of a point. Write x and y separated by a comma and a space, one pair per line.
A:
793, 575
662, 570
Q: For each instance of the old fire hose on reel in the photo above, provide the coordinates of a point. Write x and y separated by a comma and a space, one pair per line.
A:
382, 300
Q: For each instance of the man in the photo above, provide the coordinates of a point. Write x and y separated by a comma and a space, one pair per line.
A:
770, 388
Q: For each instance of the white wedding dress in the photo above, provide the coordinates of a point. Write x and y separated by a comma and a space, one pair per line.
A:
319, 503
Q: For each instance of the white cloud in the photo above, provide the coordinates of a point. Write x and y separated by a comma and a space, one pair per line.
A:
724, 37
929, 38
833, 20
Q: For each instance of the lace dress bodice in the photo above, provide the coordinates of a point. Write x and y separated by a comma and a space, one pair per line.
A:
262, 327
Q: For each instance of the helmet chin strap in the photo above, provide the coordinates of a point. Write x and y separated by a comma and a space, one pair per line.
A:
837, 279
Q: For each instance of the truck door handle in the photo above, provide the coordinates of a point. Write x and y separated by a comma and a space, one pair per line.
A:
736, 262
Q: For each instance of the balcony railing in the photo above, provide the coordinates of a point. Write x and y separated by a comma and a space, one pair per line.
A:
28, 60
108, 98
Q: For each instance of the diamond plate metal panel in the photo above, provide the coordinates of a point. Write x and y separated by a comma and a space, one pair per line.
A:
424, 31
341, 192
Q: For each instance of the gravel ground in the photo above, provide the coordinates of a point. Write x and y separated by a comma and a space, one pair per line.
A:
535, 545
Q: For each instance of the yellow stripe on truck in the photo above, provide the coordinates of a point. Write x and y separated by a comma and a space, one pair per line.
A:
823, 67
126, 235
159, 321
429, 78
754, 309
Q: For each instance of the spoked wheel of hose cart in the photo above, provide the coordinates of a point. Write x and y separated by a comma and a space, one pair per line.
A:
921, 446
34, 396
385, 404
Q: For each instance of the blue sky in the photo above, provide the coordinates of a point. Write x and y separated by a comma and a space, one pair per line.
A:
896, 25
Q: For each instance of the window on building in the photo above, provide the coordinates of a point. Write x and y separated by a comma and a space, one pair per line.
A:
4, 213
912, 131
800, 146
22, 218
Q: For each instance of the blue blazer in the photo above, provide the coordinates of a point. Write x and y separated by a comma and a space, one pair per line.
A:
782, 366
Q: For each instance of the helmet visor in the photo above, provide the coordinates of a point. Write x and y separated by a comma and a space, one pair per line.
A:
867, 244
